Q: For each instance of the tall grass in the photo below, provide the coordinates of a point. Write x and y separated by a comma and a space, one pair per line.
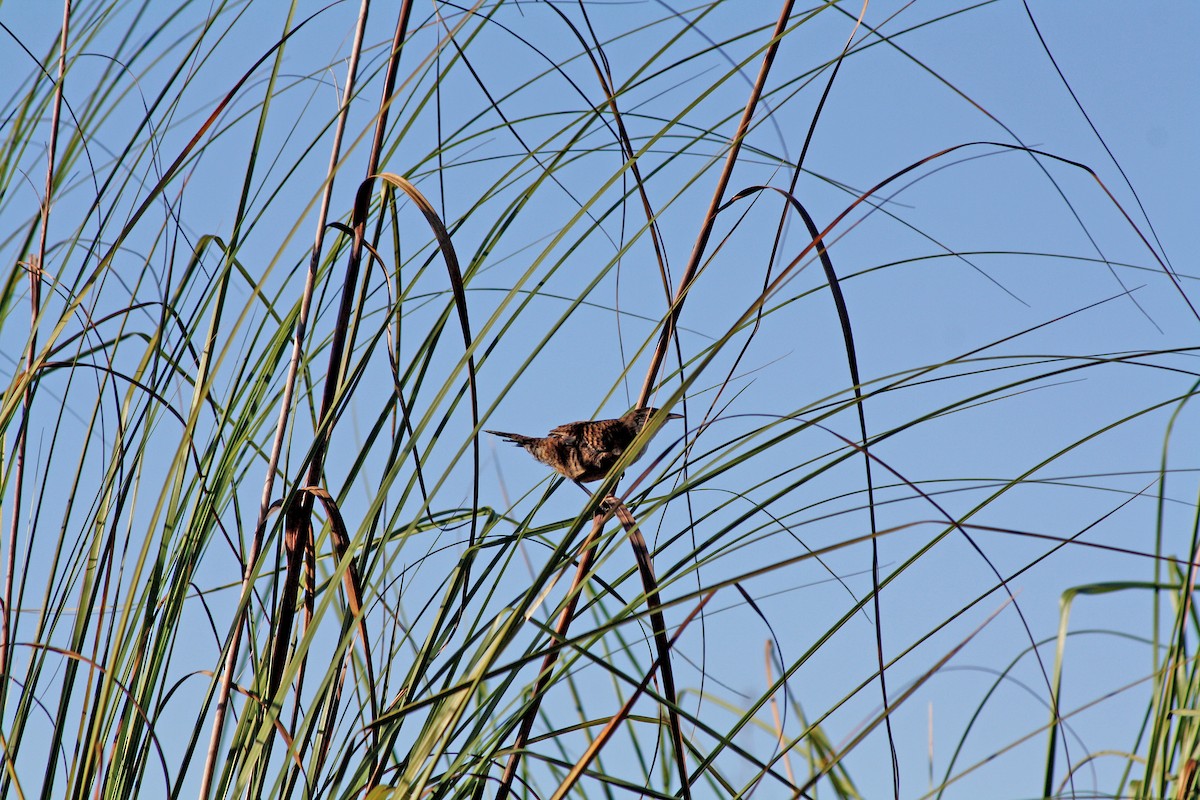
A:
273, 270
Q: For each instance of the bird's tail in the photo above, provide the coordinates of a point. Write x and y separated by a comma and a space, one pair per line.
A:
516, 438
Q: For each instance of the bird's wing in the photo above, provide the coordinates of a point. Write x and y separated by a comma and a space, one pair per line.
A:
613, 437
567, 434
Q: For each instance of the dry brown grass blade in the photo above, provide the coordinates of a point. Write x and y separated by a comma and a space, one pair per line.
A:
340, 539
1187, 780
645, 565
586, 556
35, 297
226, 684
300, 555
342, 339
297, 538
36, 270
354, 598
710, 216
606, 734
775, 717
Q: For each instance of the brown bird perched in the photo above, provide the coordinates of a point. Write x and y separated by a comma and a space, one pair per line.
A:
586, 450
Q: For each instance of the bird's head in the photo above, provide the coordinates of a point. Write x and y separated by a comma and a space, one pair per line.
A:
640, 416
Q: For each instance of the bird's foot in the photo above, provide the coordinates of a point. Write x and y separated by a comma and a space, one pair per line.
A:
610, 504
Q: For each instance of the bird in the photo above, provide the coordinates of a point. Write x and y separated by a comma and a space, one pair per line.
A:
586, 450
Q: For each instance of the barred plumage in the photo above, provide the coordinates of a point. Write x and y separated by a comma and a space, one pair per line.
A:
586, 450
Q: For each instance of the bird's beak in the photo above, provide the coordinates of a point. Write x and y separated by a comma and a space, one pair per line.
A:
674, 416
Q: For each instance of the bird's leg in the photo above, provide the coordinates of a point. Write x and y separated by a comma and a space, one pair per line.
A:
609, 503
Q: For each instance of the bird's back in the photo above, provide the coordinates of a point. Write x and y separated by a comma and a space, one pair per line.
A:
585, 450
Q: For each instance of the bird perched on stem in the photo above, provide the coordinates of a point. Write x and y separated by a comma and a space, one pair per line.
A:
587, 450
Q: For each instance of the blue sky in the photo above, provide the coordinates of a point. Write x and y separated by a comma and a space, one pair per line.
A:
985, 243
